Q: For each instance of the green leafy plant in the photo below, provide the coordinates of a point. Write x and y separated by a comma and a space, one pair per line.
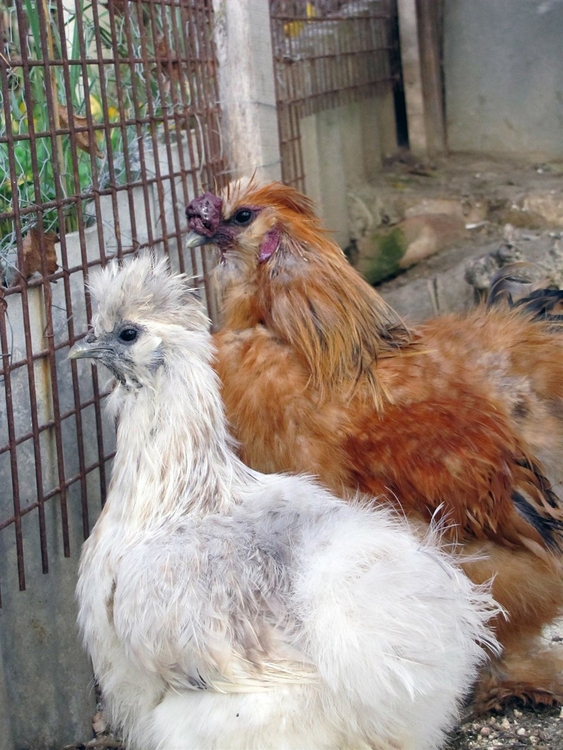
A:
31, 110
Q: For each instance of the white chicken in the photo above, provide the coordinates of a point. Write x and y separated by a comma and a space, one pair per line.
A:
229, 610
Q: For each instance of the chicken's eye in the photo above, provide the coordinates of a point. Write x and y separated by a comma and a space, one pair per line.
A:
128, 335
243, 216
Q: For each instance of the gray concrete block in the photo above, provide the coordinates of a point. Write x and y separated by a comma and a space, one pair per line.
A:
45, 675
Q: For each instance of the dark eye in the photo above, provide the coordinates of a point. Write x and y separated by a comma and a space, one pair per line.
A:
128, 335
243, 216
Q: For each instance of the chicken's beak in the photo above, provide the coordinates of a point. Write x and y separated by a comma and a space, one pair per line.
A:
87, 348
195, 239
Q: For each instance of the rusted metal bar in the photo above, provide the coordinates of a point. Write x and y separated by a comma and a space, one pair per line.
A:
69, 481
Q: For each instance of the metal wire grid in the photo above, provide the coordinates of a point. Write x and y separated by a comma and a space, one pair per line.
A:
326, 53
108, 127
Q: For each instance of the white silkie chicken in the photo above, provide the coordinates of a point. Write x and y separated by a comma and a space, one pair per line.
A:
229, 610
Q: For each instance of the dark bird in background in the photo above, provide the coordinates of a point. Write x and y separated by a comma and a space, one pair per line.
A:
460, 416
230, 610
512, 284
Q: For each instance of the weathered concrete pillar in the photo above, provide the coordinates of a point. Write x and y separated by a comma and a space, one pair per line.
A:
420, 58
412, 76
325, 169
246, 87
353, 146
384, 105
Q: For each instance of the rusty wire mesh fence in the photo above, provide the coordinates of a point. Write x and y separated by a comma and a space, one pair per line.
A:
327, 53
108, 127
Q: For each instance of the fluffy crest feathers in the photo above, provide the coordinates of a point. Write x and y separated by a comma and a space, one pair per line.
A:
145, 290
275, 194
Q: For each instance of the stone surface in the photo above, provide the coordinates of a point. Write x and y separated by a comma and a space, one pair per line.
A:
481, 192
467, 211
426, 234
386, 251
547, 205
342, 148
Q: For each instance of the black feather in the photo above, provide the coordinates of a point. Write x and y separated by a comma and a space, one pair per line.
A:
542, 304
544, 484
549, 528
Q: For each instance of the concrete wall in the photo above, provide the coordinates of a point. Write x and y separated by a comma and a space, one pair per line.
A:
343, 147
503, 64
46, 688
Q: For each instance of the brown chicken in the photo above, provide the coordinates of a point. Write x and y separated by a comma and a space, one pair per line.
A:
459, 419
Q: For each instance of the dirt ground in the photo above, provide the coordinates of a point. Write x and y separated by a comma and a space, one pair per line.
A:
514, 728
517, 726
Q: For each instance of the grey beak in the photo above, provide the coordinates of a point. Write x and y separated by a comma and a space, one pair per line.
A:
195, 239
84, 349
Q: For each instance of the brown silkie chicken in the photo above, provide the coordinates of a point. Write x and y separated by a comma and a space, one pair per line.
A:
460, 418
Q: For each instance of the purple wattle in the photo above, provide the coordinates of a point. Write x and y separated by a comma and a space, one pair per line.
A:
269, 245
204, 214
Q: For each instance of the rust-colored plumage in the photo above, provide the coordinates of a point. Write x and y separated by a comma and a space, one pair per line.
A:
460, 418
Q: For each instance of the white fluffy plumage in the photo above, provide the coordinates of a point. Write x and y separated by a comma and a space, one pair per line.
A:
229, 610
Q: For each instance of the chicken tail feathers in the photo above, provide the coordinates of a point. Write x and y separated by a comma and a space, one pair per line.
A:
541, 508
549, 527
